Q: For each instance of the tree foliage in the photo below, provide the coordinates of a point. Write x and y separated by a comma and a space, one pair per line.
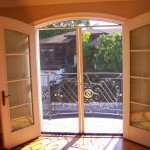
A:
72, 23
109, 52
88, 56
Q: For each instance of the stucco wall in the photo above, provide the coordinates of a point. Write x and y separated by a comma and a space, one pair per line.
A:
29, 14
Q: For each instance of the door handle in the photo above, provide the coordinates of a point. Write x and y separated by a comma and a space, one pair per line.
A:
4, 97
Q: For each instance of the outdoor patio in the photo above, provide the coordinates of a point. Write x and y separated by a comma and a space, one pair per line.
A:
102, 103
92, 125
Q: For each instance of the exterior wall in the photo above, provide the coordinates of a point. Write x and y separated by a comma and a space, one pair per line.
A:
48, 75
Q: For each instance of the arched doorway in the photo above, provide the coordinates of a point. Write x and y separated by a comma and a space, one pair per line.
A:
84, 102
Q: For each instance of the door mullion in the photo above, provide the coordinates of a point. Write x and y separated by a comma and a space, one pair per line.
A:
80, 79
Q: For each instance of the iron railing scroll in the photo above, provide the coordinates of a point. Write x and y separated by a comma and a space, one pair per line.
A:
102, 95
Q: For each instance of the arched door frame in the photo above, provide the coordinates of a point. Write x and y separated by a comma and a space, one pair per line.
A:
76, 16
79, 15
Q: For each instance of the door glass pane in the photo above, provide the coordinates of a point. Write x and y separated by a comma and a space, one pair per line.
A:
140, 116
20, 92
21, 117
59, 81
140, 63
16, 42
139, 67
139, 38
140, 91
102, 81
18, 67
18, 79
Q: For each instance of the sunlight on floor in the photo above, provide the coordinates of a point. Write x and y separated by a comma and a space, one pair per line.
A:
72, 142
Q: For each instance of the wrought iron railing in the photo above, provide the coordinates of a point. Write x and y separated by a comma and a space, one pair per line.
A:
102, 95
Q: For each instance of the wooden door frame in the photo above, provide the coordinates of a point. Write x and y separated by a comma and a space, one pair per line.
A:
80, 79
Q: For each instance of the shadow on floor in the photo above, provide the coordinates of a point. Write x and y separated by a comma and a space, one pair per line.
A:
80, 142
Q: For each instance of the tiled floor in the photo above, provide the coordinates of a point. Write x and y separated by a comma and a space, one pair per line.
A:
92, 125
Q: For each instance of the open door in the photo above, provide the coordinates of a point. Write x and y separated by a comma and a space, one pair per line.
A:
18, 83
136, 43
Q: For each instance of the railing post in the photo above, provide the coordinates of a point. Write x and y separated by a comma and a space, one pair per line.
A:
49, 96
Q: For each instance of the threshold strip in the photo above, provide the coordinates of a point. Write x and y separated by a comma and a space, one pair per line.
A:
84, 134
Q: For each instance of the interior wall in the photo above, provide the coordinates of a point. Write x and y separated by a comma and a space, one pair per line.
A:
123, 9
29, 14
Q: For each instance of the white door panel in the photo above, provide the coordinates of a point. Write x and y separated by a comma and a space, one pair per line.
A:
18, 62
136, 61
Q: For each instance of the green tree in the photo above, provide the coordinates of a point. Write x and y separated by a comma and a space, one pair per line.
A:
72, 23
109, 52
88, 56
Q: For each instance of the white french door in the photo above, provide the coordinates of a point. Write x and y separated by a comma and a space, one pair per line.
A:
18, 83
136, 73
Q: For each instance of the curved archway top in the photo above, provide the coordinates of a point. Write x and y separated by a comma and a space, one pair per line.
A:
75, 16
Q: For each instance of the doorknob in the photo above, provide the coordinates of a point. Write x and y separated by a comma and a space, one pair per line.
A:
4, 97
